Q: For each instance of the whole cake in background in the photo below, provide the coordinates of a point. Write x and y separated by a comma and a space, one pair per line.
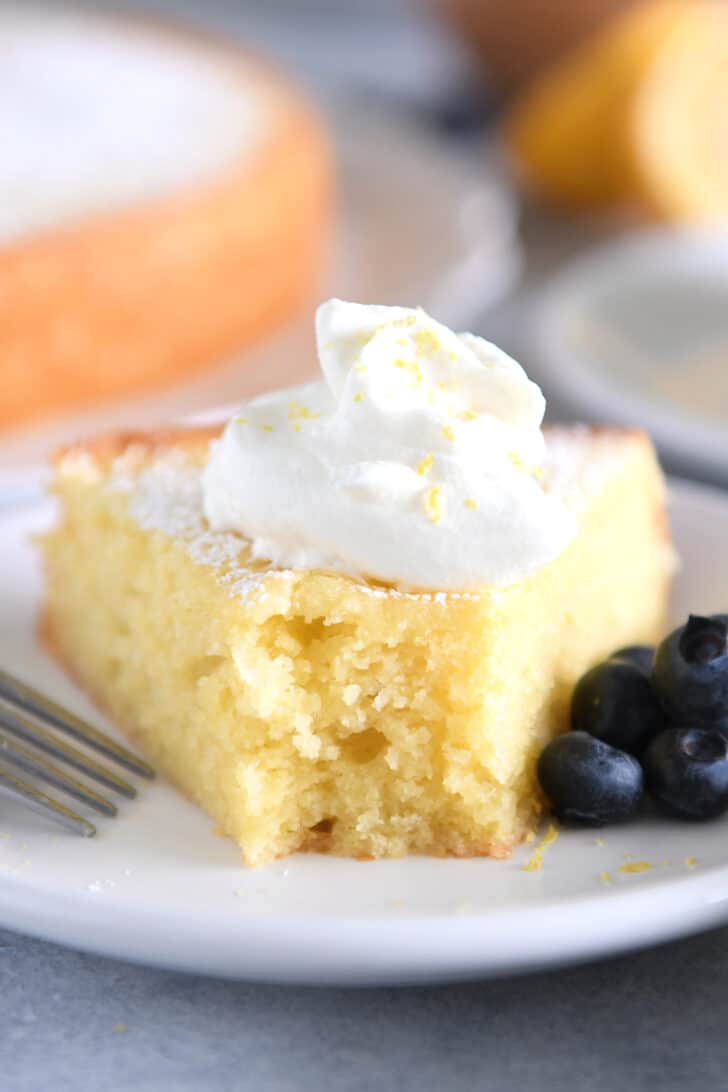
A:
350, 619
165, 201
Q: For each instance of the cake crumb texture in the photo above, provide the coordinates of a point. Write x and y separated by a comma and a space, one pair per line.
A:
311, 710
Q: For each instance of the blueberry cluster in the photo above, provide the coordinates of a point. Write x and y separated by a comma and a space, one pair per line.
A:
649, 722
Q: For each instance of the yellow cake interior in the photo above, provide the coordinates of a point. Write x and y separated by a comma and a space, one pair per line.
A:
310, 710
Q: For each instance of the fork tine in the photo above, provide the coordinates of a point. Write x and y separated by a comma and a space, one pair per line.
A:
32, 701
28, 730
15, 754
46, 804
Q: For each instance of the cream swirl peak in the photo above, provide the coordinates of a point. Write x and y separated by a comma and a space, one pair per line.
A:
416, 460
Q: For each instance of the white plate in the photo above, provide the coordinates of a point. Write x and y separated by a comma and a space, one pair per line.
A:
415, 224
157, 886
636, 331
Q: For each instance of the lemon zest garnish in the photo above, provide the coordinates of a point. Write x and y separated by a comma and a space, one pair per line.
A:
362, 369
467, 415
527, 468
690, 862
598, 841
426, 342
425, 465
298, 412
240, 420
535, 862
410, 366
635, 866
470, 503
448, 432
433, 503
358, 397
120, 1027
605, 878
296, 428
267, 428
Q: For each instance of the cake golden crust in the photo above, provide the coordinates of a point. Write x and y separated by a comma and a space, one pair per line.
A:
312, 710
109, 445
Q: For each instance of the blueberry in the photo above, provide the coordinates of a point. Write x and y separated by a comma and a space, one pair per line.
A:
690, 674
686, 771
639, 655
588, 781
615, 702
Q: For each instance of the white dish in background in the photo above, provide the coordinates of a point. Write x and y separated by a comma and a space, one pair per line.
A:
157, 886
637, 332
415, 224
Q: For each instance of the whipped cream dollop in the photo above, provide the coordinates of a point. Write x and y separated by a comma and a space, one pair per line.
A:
415, 460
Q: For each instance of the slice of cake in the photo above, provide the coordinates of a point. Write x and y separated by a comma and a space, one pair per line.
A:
312, 706
164, 202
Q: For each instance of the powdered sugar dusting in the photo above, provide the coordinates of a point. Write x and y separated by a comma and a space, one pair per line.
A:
580, 461
165, 495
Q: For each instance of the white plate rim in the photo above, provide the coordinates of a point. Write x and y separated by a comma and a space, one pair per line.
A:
693, 443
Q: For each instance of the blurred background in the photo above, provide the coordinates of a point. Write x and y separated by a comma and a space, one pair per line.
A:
181, 182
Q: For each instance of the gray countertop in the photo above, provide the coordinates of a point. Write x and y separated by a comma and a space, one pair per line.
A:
78, 1023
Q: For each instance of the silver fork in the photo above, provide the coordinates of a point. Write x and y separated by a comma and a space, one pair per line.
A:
29, 717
